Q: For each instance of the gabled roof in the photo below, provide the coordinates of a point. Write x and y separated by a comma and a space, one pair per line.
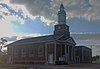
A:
65, 39
35, 40
42, 39
71, 40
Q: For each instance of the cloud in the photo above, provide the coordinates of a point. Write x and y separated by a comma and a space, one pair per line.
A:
20, 36
7, 12
87, 38
10, 13
96, 50
88, 9
13, 38
37, 8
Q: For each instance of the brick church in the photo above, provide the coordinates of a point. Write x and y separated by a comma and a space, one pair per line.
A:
50, 49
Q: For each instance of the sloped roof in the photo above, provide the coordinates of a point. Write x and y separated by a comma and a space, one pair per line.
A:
71, 41
40, 39
34, 40
65, 39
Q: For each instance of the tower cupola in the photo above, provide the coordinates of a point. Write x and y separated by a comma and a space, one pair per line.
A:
61, 15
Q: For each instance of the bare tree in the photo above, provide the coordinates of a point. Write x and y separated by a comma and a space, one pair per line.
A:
2, 43
3, 54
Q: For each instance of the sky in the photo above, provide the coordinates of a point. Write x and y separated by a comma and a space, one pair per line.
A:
30, 18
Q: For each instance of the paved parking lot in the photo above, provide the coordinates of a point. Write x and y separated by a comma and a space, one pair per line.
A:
72, 66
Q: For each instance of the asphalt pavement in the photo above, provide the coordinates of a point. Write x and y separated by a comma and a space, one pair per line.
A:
72, 66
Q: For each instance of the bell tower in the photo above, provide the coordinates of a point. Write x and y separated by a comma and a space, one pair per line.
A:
61, 28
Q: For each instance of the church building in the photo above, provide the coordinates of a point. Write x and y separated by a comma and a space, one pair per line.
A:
58, 48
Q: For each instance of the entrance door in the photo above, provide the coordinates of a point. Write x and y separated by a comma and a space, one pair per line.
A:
66, 57
50, 58
77, 59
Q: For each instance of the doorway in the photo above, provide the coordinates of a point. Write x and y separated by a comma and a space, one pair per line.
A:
50, 58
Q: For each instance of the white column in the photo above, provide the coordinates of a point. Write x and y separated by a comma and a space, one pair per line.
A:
65, 53
12, 55
68, 54
55, 52
72, 53
46, 54
82, 54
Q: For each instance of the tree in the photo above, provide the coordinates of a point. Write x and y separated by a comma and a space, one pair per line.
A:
94, 58
2, 43
3, 53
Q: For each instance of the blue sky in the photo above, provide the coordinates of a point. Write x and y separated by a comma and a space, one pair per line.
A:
37, 26
31, 18
32, 26
83, 25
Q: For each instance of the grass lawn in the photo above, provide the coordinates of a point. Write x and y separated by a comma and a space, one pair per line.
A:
95, 61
